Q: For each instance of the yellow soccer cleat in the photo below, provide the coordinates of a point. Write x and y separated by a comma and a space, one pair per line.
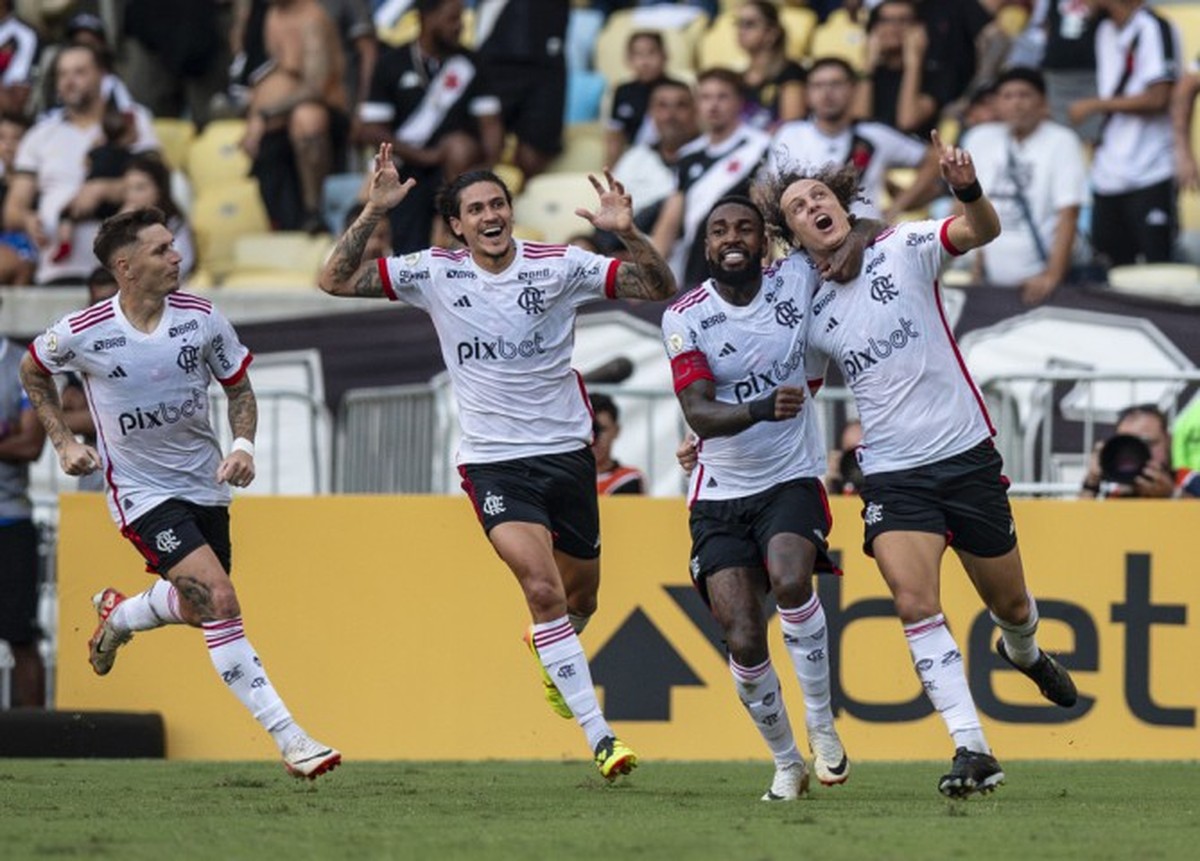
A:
553, 696
614, 757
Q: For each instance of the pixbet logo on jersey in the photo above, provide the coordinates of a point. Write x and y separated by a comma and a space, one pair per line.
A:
161, 415
877, 349
499, 350
760, 382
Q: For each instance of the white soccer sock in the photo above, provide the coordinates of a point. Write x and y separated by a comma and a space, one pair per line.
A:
758, 689
243, 673
561, 653
1020, 641
939, 665
807, 641
157, 606
578, 622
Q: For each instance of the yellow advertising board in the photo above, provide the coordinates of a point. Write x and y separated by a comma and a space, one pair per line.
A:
393, 631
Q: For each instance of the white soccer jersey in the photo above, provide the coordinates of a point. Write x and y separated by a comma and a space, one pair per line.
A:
1136, 150
507, 341
871, 147
148, 395
888, 333
747, 351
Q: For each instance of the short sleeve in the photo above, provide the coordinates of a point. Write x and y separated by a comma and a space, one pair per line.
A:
225, 354
590, 276
56, 350
927, 244
407, 278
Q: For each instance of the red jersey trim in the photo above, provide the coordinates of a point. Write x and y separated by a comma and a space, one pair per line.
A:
90, 318
687, 368
945, 237
37, 361
610, 280
962, 366
386, 278
237, 375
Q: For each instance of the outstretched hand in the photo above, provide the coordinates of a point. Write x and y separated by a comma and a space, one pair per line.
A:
955, 163
616, 206
386, 189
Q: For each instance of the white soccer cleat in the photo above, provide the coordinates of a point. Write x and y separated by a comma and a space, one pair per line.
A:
830, 762
304, 757
791, 781
102, 647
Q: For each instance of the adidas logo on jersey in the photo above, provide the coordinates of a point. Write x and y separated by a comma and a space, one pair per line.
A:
832, 324
727, 350
117, 373
462, 302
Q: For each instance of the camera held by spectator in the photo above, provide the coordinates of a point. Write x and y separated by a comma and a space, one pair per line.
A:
1135, 461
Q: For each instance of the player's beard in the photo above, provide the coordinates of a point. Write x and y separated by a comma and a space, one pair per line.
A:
751, 273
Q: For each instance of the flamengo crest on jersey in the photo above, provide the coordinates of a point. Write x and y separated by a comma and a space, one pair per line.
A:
148, 396
888, 334
748, 351
507, 341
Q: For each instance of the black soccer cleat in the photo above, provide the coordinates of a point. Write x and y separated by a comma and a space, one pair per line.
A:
971, 772
1049, 675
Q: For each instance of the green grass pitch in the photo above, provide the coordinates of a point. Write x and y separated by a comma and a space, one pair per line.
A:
52, 809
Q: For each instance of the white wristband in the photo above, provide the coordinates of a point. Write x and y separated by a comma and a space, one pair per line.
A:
242, 444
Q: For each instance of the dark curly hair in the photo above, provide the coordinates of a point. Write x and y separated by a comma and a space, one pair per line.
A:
767, 192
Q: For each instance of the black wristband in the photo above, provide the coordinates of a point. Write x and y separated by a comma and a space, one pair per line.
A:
968, 193
763, 409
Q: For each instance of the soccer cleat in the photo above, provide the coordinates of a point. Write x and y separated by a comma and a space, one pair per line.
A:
553, 696
791, 781
830, 763
102, 647
970, 772
614, 757
304, 757
1049, 675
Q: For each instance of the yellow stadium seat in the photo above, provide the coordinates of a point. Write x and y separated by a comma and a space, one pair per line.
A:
269, 279
1185, 16
799, 23
1012, 20
549, 201
175, 138
220, 214
719, 47
583, 149
840, 37
1189, 211
680, 44
279, 251
406, 28
216, 157
512, 176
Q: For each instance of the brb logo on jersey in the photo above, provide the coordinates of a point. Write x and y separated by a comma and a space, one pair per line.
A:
499, 350
162, 415
878, 349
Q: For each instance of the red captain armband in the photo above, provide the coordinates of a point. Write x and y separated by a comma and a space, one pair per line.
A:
688, 367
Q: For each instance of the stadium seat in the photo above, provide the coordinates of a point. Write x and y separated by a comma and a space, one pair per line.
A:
512, 177
680, 42
1172, 282
549, 201
840, 37
175, 137
220, 214
270, 279
1185, 16
216, 157
1012, 20
719, 47
279, 251
585, 91
583, 149
404, 29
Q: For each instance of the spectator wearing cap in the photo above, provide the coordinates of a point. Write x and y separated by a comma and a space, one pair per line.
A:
18, 50
1033, 170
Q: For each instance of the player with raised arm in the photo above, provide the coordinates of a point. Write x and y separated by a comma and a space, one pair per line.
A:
933, 475
759, 516
146, 357
504, 310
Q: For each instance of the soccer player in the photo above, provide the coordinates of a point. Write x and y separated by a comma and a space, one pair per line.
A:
146, 357
933, 476
759, 515
504, 310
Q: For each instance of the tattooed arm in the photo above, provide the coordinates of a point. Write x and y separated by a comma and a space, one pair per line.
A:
74, 457
238, 466
343, 273
646, 275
